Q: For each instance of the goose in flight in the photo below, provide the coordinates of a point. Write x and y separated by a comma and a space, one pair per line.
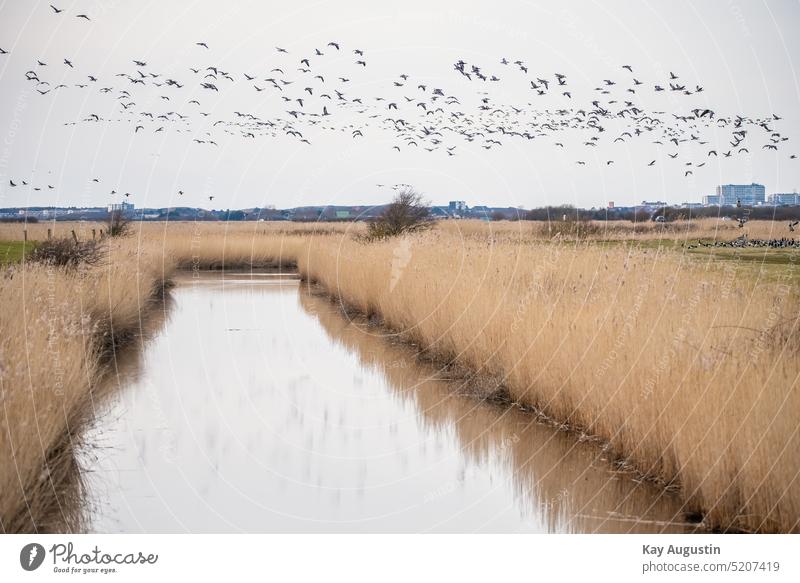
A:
204, 45
57, 10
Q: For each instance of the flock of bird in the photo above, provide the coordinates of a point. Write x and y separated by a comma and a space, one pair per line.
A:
318, 90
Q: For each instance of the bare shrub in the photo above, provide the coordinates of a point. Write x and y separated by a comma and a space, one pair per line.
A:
117, 225
408, 213
66, 253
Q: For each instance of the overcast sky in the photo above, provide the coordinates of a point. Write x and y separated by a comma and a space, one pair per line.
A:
744, 55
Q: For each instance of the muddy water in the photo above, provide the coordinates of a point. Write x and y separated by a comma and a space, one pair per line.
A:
259, 407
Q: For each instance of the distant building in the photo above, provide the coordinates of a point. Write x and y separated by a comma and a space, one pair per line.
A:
747, 194
711, 200
610, 204
457, 207
653, 204
784, 198
123, 207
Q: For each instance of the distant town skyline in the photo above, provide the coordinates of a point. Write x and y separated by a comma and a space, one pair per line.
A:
727, 196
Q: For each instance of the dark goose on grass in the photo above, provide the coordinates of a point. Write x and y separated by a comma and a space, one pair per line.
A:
259, 407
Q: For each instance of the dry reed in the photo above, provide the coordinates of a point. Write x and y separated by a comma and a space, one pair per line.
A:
58, 325
688, 368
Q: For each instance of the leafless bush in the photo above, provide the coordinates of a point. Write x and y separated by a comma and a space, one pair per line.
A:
408, 213
66, 253
117, 225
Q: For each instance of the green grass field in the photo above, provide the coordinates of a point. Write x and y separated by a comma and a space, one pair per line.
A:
762, 255
761, 262
788, 257
12, 251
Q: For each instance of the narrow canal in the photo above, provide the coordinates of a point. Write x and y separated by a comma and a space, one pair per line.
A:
259, 407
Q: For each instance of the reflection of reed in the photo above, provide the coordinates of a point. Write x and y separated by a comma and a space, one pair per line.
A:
565, 484
58, 503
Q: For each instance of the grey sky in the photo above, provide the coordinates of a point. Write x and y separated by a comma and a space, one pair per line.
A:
745, 55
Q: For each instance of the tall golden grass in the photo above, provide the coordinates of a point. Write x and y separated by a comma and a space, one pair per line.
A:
58, 328
706, 228
688, 370
686, 230
556, 479
686, 367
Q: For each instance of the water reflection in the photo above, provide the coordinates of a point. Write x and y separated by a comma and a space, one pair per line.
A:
260, 408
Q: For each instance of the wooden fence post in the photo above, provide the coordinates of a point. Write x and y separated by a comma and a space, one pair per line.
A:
49, 234
25, 234
93, 235
74, 236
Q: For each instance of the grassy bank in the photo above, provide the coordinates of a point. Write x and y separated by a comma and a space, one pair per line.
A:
687, 366
59, 327
687, 369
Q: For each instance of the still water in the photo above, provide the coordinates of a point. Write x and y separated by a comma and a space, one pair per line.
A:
259, 407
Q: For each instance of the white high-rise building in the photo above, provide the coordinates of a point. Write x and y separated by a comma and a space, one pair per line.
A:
784, 198
746, 194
